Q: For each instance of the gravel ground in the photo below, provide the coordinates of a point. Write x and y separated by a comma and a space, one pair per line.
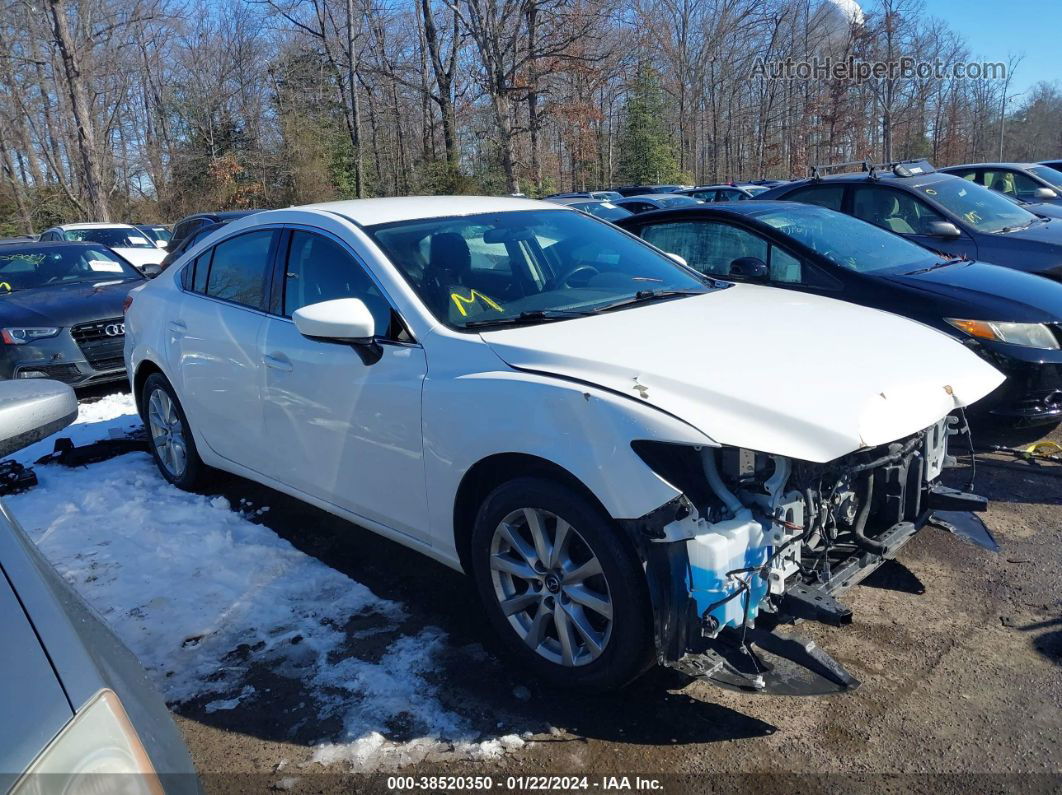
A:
959, 651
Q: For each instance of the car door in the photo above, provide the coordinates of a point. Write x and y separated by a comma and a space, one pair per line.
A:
905, 214
342, 422
215, 341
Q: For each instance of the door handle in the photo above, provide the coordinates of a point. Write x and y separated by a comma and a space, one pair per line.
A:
280, 362
179, 326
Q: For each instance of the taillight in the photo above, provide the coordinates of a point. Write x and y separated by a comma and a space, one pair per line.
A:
128, 302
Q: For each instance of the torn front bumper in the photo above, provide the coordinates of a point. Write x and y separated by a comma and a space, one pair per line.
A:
763, 654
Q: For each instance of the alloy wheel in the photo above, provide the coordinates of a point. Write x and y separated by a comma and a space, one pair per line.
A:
167, 433
550, 586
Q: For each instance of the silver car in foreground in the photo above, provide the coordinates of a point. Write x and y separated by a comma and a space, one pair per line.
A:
77, 713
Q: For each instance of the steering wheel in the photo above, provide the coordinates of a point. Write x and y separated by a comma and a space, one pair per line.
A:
565, 279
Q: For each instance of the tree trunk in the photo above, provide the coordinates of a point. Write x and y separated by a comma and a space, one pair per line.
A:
82, 112
355, 107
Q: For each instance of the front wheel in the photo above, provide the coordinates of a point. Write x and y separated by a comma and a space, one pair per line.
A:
169, 436
561, 586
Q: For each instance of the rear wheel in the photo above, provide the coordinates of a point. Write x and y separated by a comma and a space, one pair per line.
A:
561, 586
169, 435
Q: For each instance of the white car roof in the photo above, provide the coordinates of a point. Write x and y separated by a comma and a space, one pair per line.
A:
368, 212
93, 225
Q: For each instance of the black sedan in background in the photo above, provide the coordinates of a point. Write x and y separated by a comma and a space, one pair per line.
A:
61, 312
940, 211
191, 224
191, 230
1012, 319
1026, 182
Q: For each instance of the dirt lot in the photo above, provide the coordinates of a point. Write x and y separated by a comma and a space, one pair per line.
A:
959, 651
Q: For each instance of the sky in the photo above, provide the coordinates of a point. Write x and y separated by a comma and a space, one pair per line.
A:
995, 30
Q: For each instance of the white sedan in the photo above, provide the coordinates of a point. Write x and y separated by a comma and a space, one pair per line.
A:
124, 239
632, 460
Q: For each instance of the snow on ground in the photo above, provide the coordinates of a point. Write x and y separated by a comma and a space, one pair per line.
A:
202, 595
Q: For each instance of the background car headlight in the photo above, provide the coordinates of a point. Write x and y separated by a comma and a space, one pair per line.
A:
97, 751
20, 336
1031, 335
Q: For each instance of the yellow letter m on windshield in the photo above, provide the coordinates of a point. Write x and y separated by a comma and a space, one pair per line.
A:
461, 301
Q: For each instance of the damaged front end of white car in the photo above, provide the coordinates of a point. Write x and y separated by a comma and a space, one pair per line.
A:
757, 541
810, 476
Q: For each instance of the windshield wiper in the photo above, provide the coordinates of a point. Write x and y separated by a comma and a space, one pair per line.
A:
647, 296
942, 264
527, 317
1006, 229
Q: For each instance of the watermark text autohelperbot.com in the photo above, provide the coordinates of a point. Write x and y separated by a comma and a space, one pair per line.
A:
828, 68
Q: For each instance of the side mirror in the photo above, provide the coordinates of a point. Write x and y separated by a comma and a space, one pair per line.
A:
942, 229
339, 320
31, 410
1045, 193
162, 243
749, 268
152, 270
677, 258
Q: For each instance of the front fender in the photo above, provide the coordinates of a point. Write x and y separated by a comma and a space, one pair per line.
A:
582, 429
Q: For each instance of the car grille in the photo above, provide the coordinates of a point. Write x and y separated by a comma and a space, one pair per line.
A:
102, 350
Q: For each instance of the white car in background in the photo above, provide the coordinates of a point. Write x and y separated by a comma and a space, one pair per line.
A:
631, 459
124, 239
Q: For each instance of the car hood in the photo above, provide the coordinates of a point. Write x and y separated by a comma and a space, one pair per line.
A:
991, 292
1043, 208
142, 256
64, 305
1049, 231
766, 369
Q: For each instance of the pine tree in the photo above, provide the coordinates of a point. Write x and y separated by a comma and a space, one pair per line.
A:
647, 153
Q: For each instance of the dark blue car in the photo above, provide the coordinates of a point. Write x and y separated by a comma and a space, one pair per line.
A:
943, 212
1012, 319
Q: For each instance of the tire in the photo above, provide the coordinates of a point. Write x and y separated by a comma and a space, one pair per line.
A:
165, 420
605, 615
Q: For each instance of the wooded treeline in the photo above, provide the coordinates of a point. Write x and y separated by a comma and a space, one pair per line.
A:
150, 109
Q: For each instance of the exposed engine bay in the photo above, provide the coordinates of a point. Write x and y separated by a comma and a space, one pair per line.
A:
760, 540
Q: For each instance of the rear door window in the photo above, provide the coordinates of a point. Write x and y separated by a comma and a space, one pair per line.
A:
829, 196
239, 268
894, 210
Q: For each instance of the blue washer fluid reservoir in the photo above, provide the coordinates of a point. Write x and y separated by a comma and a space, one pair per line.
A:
737, 543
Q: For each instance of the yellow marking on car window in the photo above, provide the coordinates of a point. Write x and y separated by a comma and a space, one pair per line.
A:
6, 286
461, 301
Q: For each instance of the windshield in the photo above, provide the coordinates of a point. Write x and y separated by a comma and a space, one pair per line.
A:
983, 209
675, 201
156, 232
606, 210
115, 237
1048, 175
25, 268
847, 241
498, 266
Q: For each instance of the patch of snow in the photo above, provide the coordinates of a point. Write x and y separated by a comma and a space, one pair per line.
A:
230, 703
110, 416
201, 595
